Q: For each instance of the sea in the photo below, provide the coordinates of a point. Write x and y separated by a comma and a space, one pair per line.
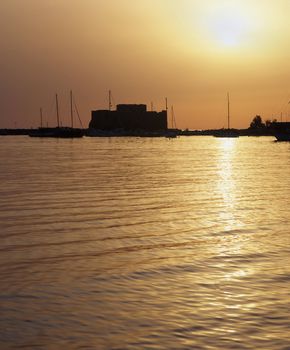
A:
144, 243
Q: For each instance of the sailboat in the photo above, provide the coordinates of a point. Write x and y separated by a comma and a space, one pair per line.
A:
172, 133
227, 132
59, 131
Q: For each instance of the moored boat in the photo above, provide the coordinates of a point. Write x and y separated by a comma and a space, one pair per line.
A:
59, 131
281, 130
227, 132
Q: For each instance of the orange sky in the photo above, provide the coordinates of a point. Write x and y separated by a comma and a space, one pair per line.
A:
191, 51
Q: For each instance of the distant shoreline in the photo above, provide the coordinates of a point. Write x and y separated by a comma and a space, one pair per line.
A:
187, 132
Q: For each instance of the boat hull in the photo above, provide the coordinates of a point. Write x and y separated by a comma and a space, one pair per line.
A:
226, 133
57, 132
281, 130
282, 137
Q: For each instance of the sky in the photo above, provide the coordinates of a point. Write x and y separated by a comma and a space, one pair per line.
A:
191, 51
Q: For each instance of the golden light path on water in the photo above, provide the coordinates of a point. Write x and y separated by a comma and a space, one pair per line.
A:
136, 243
226, 185
226, 189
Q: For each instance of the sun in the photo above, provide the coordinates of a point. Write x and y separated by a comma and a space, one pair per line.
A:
228, 24
228, 30
224, 28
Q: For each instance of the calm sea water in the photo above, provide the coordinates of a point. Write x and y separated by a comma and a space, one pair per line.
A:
135, 243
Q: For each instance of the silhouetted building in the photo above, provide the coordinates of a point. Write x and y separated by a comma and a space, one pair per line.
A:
129, 117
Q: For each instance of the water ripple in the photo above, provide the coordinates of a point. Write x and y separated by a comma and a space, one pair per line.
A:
131, 243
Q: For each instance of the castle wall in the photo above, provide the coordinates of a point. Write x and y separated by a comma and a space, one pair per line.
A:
129, 117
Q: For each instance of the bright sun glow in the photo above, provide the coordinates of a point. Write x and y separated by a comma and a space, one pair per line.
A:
227, 24
229, 31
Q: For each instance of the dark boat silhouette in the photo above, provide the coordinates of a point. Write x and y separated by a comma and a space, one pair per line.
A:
59, 131
281, 130
226, 133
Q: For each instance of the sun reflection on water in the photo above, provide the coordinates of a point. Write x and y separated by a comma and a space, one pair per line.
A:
232, 301
226, 183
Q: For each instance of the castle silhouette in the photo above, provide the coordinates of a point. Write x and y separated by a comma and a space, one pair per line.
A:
129, 117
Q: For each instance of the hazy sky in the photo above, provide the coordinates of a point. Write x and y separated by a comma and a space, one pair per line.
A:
191, 51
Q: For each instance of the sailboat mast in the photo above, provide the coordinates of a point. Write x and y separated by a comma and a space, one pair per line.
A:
228, 110
173, 118
57, 111
110, 100
71, 109
41, 117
